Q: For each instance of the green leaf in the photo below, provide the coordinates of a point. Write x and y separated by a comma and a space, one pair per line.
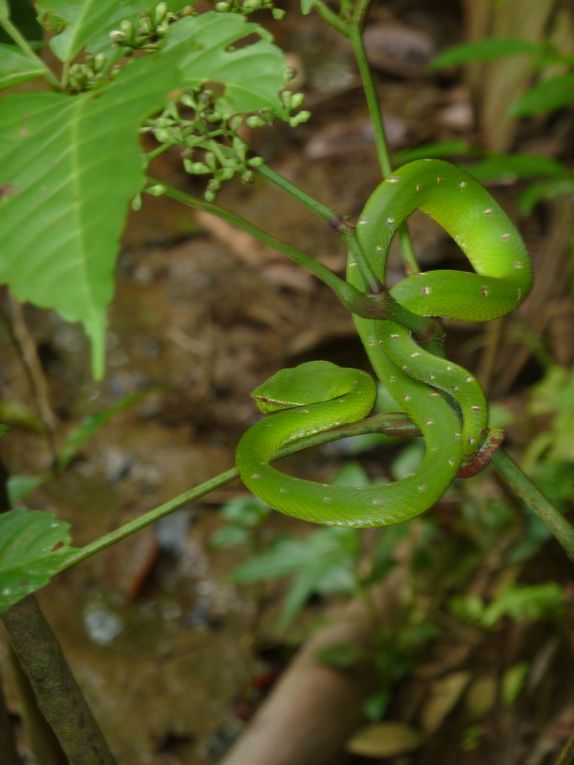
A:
512, 167
324, 563
92, 423
17, 66
70, 167
547, 96
485, 50
33, 546
89, 22
253, 74
543, 191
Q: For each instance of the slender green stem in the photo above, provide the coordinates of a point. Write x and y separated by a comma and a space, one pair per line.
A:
524, 488
24, 45
356, 38
389, 424
372, 306
158, 151
332, 218
360, 13
330, 17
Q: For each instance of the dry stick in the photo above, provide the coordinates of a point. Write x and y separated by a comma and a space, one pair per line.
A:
59, 698
26, 349
56, 692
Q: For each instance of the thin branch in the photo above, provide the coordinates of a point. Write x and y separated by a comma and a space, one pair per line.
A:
26, 349
390, 424
57, 693
333, 219
371, 306
356, 37
13, 32
524, 488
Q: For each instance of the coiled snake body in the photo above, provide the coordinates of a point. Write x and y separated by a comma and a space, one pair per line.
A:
444, 400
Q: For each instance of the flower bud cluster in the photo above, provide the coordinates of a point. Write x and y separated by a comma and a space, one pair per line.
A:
87, 75
146, 32
245, 7
211, 136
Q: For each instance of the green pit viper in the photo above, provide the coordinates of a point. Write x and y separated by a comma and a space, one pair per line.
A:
444, 401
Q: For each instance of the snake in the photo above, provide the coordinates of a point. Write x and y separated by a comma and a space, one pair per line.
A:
441, 398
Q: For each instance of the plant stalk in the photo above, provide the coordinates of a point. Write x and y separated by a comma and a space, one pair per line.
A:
57, 693
524, 488
356, 37
13, 32
333, 219
371, 306
389, 424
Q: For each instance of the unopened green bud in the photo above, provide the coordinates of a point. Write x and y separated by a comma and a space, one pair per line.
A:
255, 161
222, 7
195, 168
286, 97
137, 203
250, 5
253, 121
290, 73
160, 12
145, 26
188, 100
163, 136
247, 177
210, 160
298, 119
209, 196
278, 14
117, 37
157, 190
227, 173
99, 62
126, 27
296, 100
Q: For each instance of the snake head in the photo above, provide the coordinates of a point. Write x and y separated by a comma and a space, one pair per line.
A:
310, 383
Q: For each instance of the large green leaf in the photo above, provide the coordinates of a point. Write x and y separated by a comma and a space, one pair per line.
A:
252, 74
33, 546
69, 167
547, 96
89, 22
16, 66
485, 50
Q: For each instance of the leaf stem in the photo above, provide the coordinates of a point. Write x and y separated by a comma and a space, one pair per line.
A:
331, 17
389, 424
524, 488
13, 32
336, 221
356, 37
372, 306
